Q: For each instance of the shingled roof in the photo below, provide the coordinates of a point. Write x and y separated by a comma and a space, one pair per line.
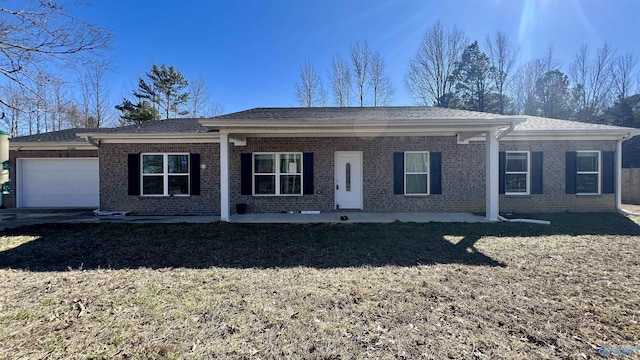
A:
179, 125
190, 126
185, 125
391, 113
67, 135
356, 113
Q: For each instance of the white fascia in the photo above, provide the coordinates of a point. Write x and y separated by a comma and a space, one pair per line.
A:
173, 138
52, 145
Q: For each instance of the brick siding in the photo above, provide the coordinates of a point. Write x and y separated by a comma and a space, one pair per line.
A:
463, 176
553, 197
114, 181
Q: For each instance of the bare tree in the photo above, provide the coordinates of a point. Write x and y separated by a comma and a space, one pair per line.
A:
14, 96
58, 104
379, 82
361, 61
309, 90
99, 103
199, 91
38, 37
214, 109
340, 81
503, 56
524, 90
623, 79
429, 77
593, 81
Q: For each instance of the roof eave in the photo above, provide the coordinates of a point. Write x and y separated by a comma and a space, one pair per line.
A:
50, 145
573, 134
177, 137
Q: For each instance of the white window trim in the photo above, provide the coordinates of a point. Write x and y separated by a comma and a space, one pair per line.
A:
528, 173
599, 172
277, 174
165, 174
417, 173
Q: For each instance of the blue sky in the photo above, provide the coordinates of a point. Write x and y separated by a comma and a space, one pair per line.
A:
251, 52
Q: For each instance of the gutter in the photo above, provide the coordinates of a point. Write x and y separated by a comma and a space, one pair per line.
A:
506, 131
92, 141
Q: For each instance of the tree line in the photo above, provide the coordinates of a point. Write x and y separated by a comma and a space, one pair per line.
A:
448, 70
52, 76
359, 80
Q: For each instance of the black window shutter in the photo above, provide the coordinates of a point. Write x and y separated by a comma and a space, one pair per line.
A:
134, 174
195, 174
398, 172
608, 172
536, 172
502, 163
435, 171
307, 173
570, 172
245, 174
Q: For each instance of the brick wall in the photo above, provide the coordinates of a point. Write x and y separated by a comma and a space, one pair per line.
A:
553, 198
459, 162
463, 176
9, 200
114, 181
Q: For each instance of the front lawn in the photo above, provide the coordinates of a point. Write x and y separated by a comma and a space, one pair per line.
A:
331, 291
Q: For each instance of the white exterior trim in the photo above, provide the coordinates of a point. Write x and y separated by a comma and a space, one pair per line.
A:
276, 174
57, 145
225, 214
165, 174
492, 177
618, 184
428, 172
528, 173
598, 173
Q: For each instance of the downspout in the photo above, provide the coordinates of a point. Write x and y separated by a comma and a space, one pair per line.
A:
92, 141
501, 218
506, 131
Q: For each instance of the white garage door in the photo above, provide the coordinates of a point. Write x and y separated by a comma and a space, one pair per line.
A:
58, 183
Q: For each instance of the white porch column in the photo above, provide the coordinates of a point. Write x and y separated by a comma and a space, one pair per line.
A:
492, 176
225, 214
619, 175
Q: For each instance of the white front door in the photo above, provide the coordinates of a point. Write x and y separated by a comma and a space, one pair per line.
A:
348, 186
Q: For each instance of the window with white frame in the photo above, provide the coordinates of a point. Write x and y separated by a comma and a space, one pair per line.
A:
277, 173
416, 173
516, 173
588, 172
165, 174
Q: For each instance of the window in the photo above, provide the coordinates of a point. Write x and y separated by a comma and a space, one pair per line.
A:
277, 174
165, 174
416, 173
588, 172
516, 174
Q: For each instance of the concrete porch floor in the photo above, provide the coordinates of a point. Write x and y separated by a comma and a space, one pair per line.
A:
357, 217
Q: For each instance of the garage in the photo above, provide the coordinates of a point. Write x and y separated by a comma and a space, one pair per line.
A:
58, 183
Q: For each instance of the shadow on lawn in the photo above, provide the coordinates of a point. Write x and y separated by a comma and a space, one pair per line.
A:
60, 247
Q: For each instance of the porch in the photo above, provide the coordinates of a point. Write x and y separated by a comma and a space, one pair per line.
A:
357, 217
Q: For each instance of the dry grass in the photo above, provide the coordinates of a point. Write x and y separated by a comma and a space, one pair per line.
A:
341, 291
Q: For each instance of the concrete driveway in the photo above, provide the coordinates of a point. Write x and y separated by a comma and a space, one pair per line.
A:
13, 218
